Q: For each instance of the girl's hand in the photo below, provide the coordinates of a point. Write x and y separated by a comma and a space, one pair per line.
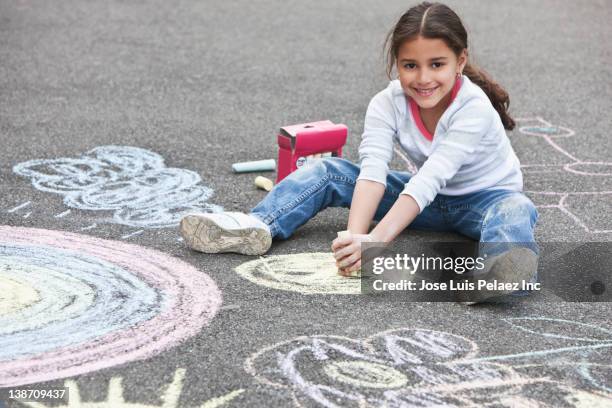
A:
347, 252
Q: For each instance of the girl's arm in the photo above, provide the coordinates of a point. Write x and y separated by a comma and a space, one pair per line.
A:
347, 251
366, 198
403, 212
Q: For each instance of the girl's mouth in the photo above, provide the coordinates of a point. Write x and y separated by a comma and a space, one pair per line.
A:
425, 92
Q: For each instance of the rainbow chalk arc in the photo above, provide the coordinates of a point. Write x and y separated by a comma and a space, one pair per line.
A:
118, 303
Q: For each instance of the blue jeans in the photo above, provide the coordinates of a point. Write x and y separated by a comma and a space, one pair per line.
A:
488, 216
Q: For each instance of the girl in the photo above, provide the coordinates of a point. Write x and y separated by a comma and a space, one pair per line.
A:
449, 118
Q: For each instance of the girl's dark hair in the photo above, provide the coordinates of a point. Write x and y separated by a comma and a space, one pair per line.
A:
438, 21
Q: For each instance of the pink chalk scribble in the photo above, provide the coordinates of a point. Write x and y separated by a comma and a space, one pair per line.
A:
538, 127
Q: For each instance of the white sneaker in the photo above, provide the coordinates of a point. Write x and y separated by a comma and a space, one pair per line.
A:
226, 232
513, 266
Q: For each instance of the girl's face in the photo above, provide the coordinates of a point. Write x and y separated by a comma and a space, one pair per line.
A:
427, 70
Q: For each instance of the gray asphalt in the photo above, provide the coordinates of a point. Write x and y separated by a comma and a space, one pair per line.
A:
207, 84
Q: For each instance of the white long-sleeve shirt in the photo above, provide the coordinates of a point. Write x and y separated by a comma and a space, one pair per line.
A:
469, 151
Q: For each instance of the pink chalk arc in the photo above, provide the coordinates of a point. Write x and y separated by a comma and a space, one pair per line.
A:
191, 301
589, 168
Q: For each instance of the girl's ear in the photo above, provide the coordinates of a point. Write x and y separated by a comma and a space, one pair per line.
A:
462, 60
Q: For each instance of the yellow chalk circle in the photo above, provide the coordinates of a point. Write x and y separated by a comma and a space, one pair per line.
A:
366, 374
264, 183
15, 295
313, 273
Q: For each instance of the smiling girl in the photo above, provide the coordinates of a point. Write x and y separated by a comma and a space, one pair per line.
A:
449, 117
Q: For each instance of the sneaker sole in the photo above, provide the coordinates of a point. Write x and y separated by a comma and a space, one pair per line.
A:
519, 265
205, 235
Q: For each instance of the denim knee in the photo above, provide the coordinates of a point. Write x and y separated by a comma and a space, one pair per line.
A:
512, 208
511, 219
333, 168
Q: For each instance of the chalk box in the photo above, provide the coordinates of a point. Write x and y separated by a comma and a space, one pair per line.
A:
298, 142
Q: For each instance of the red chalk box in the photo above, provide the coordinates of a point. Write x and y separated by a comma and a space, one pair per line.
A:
297, 142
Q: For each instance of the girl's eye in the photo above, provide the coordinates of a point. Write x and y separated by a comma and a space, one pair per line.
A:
433, 64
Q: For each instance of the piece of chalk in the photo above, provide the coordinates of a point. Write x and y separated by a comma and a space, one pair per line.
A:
344, 234
264, 183
259, 165
353, 274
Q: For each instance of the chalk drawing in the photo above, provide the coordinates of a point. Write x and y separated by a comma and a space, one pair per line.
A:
27, 214
597, 338
558, 328
89, 227
307, 273
423, 368
569, 163
410, 166
15, 295
19, 207
221, 401
63, 214
133, 183
132, 234
119, 302
366, 374
115, 398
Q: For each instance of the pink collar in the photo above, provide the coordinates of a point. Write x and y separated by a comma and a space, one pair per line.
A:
414, 108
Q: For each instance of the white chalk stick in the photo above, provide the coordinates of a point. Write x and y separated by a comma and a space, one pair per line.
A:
264, 183
344, 234
259, 165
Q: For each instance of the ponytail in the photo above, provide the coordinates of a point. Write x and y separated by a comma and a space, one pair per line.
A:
497, 95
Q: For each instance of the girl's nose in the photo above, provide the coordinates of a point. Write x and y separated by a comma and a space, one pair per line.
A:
423, 77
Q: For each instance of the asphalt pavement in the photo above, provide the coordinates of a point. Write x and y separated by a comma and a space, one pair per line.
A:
206, 84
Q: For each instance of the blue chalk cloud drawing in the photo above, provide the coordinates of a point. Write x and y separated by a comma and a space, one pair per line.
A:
133, 183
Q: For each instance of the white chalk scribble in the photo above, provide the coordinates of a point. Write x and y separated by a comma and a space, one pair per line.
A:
426, 368
19, 207
132, 182
62, 215
133, 234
